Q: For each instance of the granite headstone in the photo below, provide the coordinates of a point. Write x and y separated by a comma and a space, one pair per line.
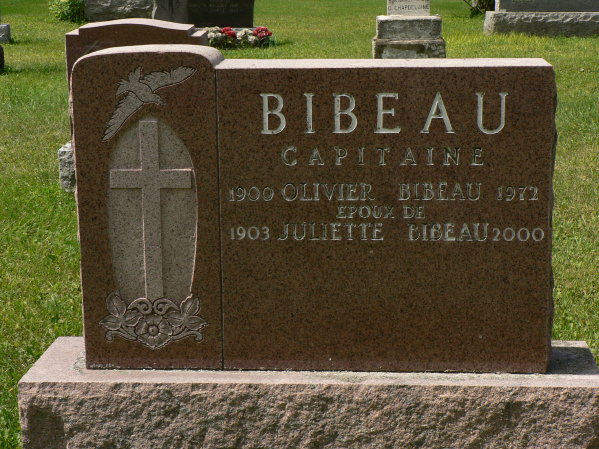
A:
360, 218
544, 17
408, 7
408, 31
232, 13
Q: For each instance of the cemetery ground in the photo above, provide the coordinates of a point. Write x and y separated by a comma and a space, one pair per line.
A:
39, 255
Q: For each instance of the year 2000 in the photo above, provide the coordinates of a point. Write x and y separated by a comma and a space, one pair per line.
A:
522, 234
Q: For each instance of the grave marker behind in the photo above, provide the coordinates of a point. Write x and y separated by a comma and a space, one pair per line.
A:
544, 17
232, 13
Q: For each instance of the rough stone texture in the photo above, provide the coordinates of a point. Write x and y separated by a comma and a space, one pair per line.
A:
409, 28
171, 10
408, 49
66, 168
4, 32
100, 10
547, 5
145, 310
408, 7
408, 37
543, 23
119, 33
62, 404
328, 298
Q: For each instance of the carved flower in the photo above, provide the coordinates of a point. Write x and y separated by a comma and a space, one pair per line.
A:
186, 317
153, 330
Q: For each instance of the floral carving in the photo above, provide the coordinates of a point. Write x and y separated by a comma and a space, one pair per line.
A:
155, 323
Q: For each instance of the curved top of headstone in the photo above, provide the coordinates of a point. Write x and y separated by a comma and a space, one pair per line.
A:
123, 32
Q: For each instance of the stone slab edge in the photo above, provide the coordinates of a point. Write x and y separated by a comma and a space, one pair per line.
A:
407, 48
408, 27
64, 405
573, 366
543, 23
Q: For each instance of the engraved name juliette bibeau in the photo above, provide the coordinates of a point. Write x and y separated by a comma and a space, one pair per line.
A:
152, 244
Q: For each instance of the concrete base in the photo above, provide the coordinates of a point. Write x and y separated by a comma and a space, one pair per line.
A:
4, 32
543, 23
66, 168
407, 49
63, 404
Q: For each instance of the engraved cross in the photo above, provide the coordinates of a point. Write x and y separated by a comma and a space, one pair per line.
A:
151, 179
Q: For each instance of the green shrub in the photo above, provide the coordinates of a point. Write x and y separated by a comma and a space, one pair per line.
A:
67, 10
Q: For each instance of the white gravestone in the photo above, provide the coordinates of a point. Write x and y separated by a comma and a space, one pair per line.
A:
408, 7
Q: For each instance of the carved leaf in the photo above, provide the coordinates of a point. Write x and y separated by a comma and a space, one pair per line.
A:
111, 322
190, 306
132, 317
195, 323
116, 306
175, 318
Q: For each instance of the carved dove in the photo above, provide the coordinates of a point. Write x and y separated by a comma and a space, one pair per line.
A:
139, 91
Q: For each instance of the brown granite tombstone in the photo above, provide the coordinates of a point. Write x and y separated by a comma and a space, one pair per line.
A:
376, 215
118, 33
386, 215
146, 164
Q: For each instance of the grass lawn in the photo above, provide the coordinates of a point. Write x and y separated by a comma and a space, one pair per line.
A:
39, 254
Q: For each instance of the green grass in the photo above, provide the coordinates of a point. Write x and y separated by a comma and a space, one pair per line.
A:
39, 259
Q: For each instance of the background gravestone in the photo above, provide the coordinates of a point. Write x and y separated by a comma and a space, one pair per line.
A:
544, 17
233, 13
101, 10
408, 31
117, 33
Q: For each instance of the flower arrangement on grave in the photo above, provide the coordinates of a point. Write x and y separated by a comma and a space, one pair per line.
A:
228, 37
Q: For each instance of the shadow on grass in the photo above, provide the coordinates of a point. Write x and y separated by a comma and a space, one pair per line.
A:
35, 69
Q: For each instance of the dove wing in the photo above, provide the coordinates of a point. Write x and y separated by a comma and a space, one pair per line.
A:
125, 109
157, 80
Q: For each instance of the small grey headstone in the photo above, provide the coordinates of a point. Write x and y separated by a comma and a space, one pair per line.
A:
4, 32
66, 168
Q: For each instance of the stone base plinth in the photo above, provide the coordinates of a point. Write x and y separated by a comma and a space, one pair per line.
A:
408, 37
4, 32
63, 404
407, 49
408, 27
543, 23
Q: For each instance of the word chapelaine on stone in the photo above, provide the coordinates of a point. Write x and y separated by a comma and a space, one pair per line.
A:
378, 215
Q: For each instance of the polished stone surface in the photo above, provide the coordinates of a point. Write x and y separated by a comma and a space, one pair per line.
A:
361, 219
222, 13
339, 260
147, 189
119, 33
